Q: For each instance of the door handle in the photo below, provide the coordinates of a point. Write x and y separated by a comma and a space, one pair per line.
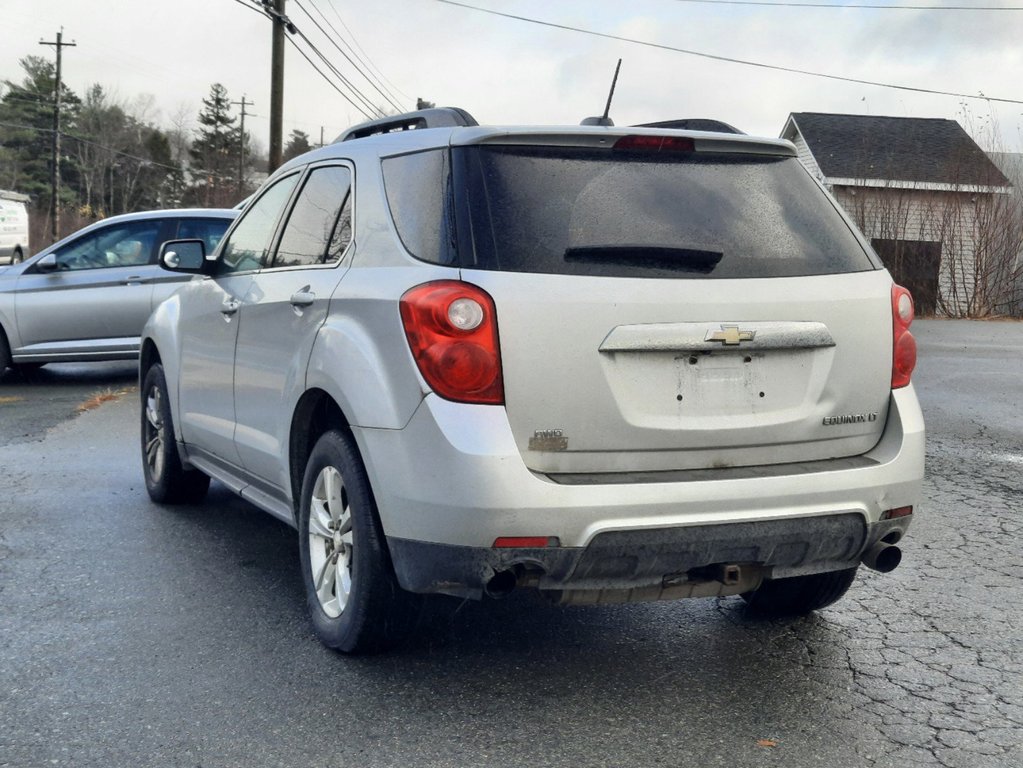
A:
302, 298
136, 280
229, 307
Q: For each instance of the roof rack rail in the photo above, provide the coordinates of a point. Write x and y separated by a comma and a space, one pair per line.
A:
436, 117
694, 124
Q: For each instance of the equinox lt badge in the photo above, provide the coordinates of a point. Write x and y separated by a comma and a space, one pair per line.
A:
850, 418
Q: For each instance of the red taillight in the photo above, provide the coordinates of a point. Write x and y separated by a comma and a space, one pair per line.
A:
452, 331
891, 514
903, 343
526, 542
656, 143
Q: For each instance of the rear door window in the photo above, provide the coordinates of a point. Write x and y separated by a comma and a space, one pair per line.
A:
319, 227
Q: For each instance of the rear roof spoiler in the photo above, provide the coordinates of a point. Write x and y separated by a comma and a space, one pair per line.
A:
437, 117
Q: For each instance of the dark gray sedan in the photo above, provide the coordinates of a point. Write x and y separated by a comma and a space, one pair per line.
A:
87, 297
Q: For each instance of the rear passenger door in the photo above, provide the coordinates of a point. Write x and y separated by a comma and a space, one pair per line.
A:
280, 315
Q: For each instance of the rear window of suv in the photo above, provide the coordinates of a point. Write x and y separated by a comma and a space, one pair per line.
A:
558, 210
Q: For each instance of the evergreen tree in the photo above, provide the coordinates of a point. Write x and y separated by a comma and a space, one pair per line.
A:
26, 136
215, 152
298, 144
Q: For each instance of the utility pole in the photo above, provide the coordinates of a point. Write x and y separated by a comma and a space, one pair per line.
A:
55, 171
281, 24
277, 86
241, 142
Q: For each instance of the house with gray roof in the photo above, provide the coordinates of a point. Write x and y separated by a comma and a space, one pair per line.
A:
932, 203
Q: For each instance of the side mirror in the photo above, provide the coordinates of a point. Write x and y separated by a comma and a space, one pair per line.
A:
48, 263
183, 256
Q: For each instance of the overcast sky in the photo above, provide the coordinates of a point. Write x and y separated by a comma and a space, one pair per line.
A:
510, 71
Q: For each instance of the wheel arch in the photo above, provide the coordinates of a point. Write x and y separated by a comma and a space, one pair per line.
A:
315, 414
5, 348
148, 355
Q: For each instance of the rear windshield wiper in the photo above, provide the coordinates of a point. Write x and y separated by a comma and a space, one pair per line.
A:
647, 256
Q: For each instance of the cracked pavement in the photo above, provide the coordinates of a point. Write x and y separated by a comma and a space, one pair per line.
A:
135, 635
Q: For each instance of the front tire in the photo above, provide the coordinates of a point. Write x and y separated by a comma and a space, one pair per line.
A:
167, 481
798, 595
354, 600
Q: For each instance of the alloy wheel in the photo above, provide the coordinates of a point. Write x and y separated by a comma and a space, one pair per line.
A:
330, 541
155, 434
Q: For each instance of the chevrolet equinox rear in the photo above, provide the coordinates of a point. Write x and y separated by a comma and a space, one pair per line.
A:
609, 364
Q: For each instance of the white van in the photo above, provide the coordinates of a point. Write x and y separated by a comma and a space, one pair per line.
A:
13, 227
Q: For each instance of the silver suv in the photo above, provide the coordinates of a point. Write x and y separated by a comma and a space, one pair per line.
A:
609, 364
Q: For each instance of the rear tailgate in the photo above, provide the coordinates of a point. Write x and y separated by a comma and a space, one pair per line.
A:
624, 375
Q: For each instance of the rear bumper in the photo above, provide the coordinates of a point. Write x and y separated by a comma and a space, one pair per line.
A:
452, 481
652, 564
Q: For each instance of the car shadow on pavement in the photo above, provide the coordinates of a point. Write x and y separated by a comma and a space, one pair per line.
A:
70, 374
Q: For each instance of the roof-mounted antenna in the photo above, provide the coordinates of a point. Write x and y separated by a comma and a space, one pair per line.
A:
604, 119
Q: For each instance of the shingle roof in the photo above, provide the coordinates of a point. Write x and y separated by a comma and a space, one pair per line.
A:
1011, 164
896, 148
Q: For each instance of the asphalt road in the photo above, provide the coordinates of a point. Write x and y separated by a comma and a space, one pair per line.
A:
32, 403
134, 635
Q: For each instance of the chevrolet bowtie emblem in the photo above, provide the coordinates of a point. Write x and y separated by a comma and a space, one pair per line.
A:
730, 335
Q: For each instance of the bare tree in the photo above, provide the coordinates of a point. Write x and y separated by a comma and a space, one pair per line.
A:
966, 234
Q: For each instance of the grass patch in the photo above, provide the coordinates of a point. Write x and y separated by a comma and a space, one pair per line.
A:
104, 396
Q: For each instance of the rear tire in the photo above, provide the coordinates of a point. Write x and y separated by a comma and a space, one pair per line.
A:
167, 481
5, 353
354, 600
798, 595
27, 369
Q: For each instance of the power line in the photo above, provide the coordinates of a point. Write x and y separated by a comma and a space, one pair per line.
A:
337, 73
368, 61
730, 60
26, 100
369, 77
119, 153
329, 81
257, 9
305, 56
872, 6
